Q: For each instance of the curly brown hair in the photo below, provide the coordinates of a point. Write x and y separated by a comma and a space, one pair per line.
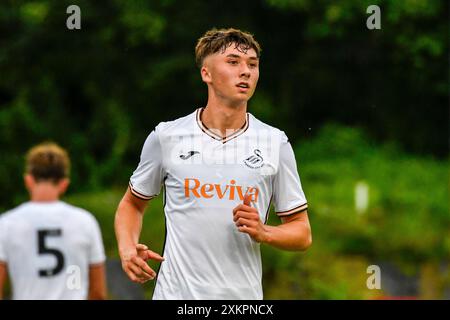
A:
47, 162
216, 40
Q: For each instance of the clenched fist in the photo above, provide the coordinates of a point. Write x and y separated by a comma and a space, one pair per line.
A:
247, 220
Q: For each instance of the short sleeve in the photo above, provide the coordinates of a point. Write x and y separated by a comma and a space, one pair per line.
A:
146, 181
2, 240
287, 189
97, 251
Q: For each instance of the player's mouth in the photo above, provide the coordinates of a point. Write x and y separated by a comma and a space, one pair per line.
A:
243, 86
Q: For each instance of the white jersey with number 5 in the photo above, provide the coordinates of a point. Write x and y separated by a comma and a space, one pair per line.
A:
48, 248
205, 176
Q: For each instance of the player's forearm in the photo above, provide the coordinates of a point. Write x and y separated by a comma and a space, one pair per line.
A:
97, 295
128, 224
2, 278
97, 282
294, 236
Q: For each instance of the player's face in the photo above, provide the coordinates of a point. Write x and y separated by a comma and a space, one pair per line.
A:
232, 74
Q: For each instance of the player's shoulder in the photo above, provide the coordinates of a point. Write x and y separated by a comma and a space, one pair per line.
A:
15, 218
170, 126
78, 213
261, 128
14, 213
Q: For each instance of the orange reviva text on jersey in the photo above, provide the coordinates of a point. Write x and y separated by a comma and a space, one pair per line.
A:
193, 187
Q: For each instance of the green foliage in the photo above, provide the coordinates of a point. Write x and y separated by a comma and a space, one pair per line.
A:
406, 223
408, 209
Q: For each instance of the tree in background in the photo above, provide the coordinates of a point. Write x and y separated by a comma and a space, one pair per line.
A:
101, 89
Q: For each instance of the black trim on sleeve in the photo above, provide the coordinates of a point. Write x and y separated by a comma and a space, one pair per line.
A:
138, 194
298, 209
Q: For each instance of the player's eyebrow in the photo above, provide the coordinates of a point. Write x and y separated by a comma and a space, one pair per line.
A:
232, 55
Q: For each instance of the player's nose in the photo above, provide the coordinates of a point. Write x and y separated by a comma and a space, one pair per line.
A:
244, 71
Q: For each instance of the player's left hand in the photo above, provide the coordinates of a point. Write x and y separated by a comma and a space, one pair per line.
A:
247, 220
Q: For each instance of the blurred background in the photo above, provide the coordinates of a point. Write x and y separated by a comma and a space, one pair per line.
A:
365, 110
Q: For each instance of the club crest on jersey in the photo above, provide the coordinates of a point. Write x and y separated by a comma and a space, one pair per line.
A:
255, 161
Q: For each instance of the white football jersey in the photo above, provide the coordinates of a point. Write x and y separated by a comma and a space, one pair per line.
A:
205, 177
48, 248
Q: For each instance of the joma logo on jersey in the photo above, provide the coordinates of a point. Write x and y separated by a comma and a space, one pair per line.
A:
193, 187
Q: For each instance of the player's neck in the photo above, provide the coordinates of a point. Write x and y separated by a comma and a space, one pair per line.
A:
44, 192
224, 117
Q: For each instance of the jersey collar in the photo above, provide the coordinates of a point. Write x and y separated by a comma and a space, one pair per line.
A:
214, 133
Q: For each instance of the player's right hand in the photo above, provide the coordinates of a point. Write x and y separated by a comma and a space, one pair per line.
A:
135, 266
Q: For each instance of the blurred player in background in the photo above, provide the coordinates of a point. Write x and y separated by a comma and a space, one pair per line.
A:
50, 249
221, 169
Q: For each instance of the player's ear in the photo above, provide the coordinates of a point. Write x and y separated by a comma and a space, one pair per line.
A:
205, 71
206, 77
29, 181
63, 185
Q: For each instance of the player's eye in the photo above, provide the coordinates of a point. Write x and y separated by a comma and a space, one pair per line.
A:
233, 62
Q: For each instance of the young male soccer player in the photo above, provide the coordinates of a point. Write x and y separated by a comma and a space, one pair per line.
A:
50, 249
221, 169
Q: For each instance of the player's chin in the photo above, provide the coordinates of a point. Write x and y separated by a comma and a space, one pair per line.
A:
250, 94
243, 97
